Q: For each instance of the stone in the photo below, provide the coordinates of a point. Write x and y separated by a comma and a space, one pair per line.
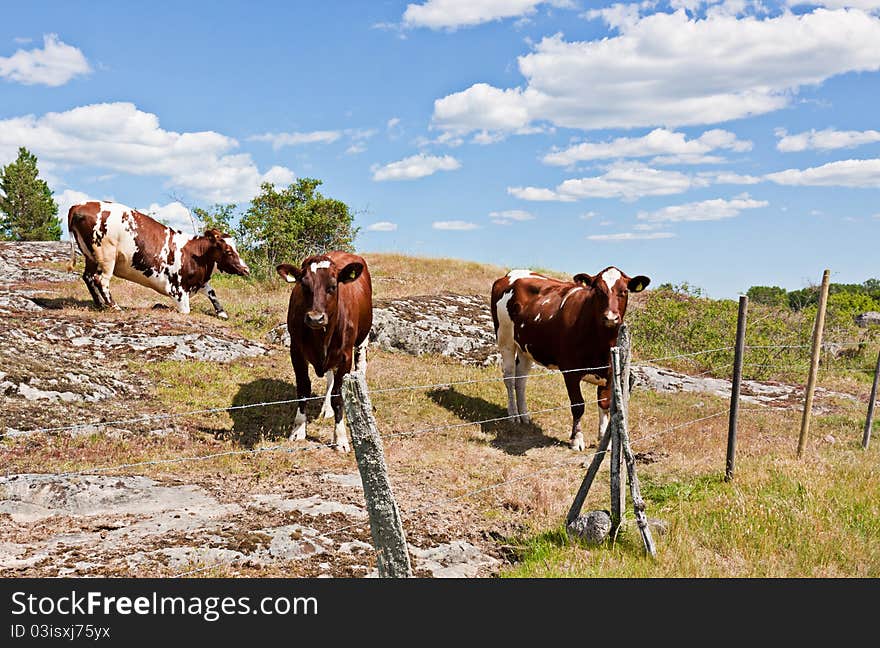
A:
871, 318
593, 527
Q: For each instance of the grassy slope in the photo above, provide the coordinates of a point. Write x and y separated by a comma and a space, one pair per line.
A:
780, 517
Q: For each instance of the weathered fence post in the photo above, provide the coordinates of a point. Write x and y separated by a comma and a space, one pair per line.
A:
618, 492
869, 421
734, 390
814, 362
385, 523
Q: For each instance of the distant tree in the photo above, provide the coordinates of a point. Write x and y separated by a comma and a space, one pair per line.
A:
219, 217
683, 288
27, 210
769, 295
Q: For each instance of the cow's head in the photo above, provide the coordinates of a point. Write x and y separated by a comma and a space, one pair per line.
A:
611, 288
225, 254
318, 278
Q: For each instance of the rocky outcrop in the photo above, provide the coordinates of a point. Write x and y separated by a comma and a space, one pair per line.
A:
871, 318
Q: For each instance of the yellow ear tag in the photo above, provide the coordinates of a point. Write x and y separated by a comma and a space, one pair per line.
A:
354, 274
637, 288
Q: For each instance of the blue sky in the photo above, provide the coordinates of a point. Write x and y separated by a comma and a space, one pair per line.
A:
727, 144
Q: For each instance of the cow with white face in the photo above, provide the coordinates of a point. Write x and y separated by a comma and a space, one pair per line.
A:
329, 319
119, 241
565, 325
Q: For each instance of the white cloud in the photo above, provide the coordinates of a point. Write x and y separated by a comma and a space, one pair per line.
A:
119, 137
415, 166
631, 236
280, 140
452, 14
843, 173
454, 225
510, 216
671, 69
824, 140
65, 200
174, 215
588, 215
279, 175
866, 5
660, 142
392, 123
356, 148
382, 226
626, 180
726, 177
706, 210
54, 65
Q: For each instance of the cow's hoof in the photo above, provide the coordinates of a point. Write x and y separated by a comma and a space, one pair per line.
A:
299, 433
525, 419
342, 446
577, 443
326, 412
223, 315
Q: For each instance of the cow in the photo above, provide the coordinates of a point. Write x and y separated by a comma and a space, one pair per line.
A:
329, 319
123, 242
565, 325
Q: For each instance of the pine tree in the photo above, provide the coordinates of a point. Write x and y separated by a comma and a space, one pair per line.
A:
27, 210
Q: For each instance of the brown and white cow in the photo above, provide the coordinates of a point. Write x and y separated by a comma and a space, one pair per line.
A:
329, 319
565, 325
119, 241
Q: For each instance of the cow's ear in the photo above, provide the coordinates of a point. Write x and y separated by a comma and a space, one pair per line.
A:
290, 274
350, 272
638, 284
583, 278
214, 234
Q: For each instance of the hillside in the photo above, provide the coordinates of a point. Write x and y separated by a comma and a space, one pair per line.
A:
485, 499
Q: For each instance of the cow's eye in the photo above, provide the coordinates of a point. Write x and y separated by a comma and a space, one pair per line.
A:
331, 288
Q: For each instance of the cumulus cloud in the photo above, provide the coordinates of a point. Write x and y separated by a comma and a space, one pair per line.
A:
843, 173
626, 180
454, 225
706, 210
670, 69
280, 140
631, 236
453, 14
119, 137
659, 142
65, 200
824, 140
54, 65
174, 215
415, 166
727, 177
382, 226
510, 216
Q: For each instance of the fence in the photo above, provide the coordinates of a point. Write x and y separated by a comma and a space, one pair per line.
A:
392, 564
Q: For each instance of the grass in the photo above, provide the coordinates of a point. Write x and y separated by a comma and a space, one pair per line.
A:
780, 517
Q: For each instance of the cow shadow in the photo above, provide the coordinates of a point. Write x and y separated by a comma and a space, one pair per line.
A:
59, 303
512, 438
250, 425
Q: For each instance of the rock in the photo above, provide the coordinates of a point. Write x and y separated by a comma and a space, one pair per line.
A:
279, 335
829, 439
868, 319
593, 527
458, 559
658, 527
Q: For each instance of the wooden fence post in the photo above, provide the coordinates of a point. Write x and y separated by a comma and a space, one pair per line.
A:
618, 492
385, 523
814, 362
869, 421
735, 387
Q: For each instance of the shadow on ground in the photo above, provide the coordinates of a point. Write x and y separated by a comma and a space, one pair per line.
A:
512, 438
251, 424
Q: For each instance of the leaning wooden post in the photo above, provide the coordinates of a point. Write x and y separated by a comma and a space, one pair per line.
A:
618, 493
581, 496
814, 363
385, 523
621, 429
734, 390
866, 439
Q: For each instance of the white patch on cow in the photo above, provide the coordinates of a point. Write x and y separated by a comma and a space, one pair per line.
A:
594, 380
315, 265
231, 243
289, 278
340, 437
604, 418
326, 408
568, 294
610, 277
299, 425
513, 275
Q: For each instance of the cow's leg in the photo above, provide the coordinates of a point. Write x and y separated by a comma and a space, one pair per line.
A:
573, 385
303, 390
340, 436
182, 302
102, 283
508, 370
88, 277
327, 408
523, 367
360, 356
211, 295
603, 400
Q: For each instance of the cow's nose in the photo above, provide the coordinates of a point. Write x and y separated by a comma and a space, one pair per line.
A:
611, 319
315, 319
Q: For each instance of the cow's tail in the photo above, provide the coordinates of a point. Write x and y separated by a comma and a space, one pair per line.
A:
71, 215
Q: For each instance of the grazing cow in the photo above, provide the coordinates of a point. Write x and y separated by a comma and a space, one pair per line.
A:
119, 241
329, 318
565, 325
